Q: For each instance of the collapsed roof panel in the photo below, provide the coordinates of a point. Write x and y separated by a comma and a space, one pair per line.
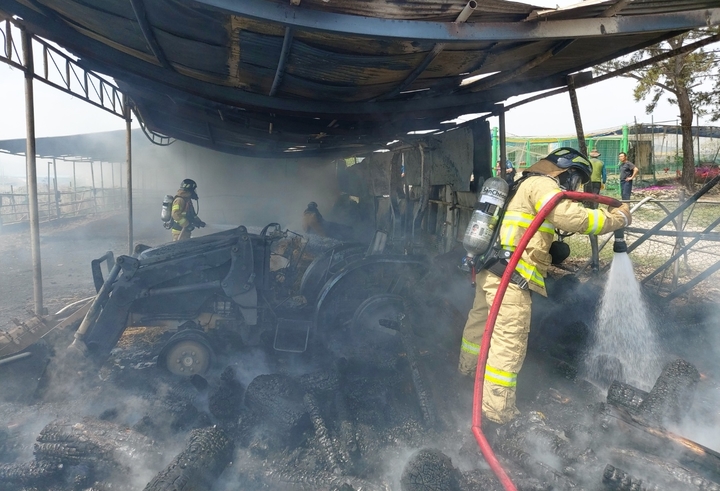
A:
334, 77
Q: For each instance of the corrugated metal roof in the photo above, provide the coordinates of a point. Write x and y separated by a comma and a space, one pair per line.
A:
261, 77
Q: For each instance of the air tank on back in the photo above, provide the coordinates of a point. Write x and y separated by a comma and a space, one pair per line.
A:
166, 212
479, 232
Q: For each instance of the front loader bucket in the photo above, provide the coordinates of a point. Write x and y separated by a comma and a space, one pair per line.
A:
25, 354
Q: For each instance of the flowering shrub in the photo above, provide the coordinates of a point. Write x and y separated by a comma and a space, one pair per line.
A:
706, 172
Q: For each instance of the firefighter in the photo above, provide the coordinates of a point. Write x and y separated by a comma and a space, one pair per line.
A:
564, 168
313, 221
184, 216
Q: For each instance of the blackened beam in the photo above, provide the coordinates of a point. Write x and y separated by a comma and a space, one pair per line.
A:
98, 56
622, 71
434, 52
317, 20
615, 9
282, 62
492, 81
546, 14
138, 7
437, 49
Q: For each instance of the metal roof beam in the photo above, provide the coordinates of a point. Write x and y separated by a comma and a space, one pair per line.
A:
622, 71
138, 7
97, 56
486, 83
282, 62
316, 20
417, 71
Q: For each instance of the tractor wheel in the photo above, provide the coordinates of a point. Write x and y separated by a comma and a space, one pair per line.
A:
187, 353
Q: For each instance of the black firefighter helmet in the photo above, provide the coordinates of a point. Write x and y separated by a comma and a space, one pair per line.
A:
576, 165
190, 186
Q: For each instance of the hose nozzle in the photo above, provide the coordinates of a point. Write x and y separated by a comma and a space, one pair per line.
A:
620, 245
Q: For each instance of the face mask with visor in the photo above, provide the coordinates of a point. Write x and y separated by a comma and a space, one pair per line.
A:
571, 179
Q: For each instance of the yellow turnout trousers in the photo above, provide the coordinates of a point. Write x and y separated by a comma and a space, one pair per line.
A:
508, 344
183, 234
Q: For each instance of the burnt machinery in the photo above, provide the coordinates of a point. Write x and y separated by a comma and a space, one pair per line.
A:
257, 288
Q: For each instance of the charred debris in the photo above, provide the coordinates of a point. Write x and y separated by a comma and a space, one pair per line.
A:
345, 380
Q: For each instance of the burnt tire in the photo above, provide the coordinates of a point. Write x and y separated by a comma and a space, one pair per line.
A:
187, 353
430, 470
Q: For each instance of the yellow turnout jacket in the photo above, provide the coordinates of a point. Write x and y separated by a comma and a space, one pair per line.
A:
568, 216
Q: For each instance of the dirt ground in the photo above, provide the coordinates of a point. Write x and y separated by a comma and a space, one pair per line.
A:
66, 249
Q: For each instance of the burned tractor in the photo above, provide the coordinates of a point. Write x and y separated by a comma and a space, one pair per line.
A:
260, 289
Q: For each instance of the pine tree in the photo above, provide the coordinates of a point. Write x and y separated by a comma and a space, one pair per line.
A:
690, 81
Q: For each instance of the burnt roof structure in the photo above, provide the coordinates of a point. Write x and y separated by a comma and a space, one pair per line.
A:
335, 77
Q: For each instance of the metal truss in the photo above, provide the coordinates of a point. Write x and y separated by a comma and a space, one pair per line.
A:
60, 71
155, 137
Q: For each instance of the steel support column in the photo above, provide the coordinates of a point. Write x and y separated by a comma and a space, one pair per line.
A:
576, 116
128, 162
582, 146
503, 141
31, 166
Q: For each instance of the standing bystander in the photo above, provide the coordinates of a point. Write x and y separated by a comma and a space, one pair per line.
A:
628, 171
599, 176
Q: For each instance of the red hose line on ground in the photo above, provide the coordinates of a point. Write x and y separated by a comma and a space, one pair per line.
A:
492, 317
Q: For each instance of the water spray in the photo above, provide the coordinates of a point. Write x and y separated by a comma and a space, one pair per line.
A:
485, 448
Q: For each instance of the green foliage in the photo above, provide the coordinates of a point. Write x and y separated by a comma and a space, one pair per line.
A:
689, 80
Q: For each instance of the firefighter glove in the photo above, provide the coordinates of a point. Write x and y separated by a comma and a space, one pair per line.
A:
623, 210
201, 224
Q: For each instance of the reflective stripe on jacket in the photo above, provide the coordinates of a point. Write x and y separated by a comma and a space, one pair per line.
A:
568, 215
183, 212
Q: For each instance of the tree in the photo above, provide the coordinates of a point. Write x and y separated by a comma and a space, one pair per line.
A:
690, 79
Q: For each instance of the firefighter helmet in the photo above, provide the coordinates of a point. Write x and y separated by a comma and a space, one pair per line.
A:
312, 205
188, 185
569, 158
576, 167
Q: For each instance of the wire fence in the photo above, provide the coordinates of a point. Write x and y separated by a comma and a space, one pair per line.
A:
655, 149
63, 203
676, 257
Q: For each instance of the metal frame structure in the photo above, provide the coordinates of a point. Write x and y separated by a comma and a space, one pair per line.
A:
63, 73
60, 71
282, 80
438, 32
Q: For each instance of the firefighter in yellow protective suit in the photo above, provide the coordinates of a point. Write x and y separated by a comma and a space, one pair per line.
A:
184, 217
564, 168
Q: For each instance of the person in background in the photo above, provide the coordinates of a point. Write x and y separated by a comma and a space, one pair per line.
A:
628, 171
599, 176
509, 172
563, 169
184, 217
313, 221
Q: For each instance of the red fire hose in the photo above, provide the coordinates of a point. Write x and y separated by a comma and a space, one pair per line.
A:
492, 317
